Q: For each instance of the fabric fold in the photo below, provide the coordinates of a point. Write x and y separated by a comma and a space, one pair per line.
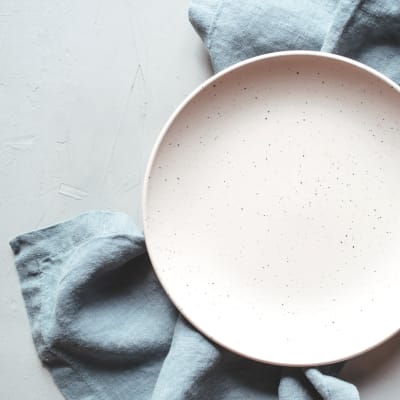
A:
100, 321
366, 30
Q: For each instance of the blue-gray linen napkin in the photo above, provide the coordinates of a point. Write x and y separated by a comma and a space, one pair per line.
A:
100, 321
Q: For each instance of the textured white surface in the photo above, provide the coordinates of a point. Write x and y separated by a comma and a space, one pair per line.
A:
85, 87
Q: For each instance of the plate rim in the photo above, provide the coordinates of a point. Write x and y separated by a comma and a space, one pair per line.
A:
156, 147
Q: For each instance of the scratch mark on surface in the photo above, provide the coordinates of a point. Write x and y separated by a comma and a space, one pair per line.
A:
97, 13
132, 24
138, 71
73, 192
121, 120
21, 142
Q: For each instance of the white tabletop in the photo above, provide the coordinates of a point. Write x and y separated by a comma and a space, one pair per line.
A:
85, 87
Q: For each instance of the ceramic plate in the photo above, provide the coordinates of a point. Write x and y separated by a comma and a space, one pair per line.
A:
272, 208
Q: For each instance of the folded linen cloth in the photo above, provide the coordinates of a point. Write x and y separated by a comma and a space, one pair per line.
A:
101, 322
366, 30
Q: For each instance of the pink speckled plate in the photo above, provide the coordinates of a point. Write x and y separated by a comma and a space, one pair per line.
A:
272, 208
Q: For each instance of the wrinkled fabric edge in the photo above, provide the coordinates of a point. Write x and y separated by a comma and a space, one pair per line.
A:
63, 369
329, 386
343, 16
123, 219
203, 15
